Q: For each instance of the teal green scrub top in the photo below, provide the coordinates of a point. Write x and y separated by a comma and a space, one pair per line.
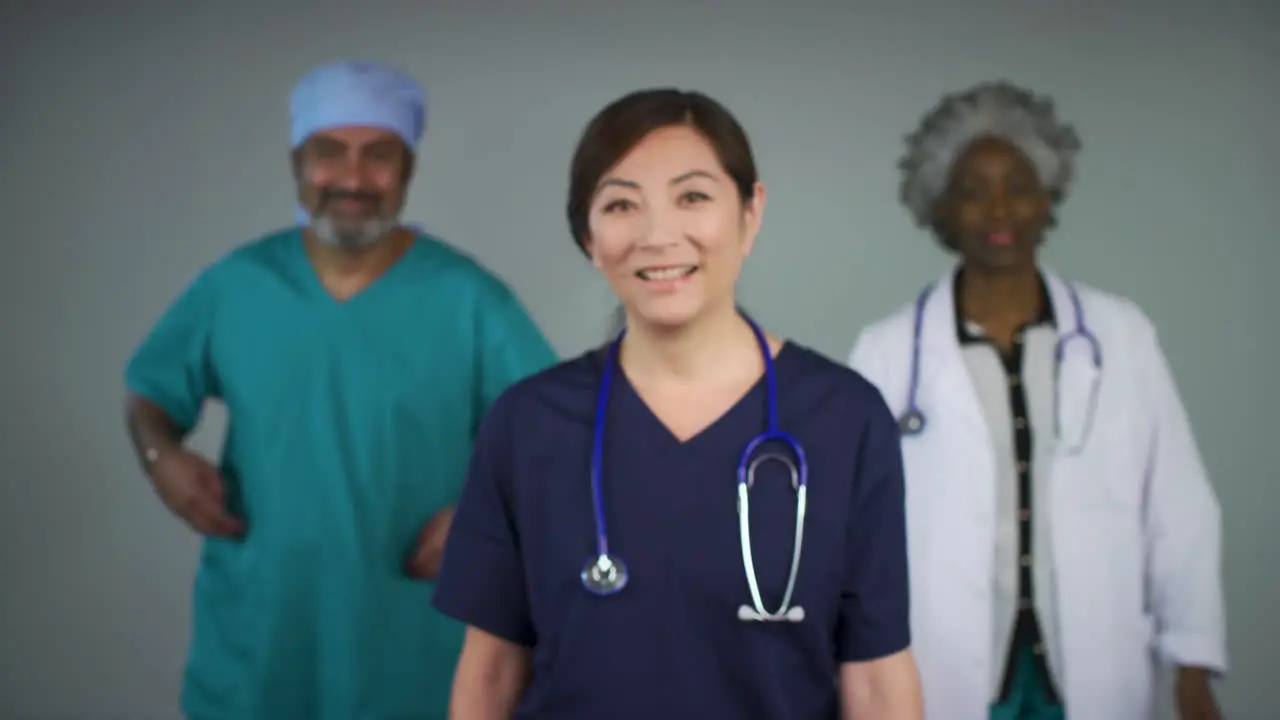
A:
349, 425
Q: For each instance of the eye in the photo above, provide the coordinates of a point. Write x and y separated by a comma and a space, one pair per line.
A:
691, 197
619, 205
383, 153
1022, 186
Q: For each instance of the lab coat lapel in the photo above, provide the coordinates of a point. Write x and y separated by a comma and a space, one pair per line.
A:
945, 382
1075, 374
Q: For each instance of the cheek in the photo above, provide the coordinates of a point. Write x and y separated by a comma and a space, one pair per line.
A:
385, 181
309, 190
315, 180
611, 240
1034, 211
967, 214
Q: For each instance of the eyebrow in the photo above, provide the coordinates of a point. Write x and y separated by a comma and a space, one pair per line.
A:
633, 185
332, 143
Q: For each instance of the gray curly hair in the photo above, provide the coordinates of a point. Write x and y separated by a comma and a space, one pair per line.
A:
998, 109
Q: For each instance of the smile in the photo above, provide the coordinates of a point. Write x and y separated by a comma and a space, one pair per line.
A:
660, 274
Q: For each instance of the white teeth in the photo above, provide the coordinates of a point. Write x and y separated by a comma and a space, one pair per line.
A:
666, 273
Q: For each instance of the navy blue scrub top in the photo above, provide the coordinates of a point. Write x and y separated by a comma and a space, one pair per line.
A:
670, 644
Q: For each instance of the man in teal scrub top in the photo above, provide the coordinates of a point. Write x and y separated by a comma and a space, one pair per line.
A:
355, 358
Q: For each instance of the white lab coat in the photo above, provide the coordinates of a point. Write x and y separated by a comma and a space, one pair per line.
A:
1135, 523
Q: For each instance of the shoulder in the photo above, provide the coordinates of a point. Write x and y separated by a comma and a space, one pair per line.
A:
265, 253
890, 331
884, 344
1115, 313
898, 321
442, 260
1125, 333
565, 391
267, 250
842, 418
830, 387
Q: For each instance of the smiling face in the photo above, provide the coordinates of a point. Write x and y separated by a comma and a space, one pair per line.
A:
668, 229
996, 209
353, 181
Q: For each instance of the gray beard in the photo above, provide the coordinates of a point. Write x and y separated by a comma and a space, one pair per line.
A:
365, 236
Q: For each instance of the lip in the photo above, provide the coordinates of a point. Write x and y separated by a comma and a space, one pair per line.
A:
351, 203
669, 266
1003, 236
666, 285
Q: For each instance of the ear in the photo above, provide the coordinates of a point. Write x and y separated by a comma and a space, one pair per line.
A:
410, 164
941, 212
753, 217
295, 162
589, 249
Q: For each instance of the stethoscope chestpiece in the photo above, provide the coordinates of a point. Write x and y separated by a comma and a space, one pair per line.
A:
604, 575
911, 423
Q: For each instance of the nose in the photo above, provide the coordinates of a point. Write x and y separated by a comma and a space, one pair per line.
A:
662, 229
998, 207
348, 176
348, 172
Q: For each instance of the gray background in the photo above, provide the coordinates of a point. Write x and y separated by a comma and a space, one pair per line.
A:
141, 142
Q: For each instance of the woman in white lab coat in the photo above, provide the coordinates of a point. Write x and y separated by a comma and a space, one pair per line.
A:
1063, 535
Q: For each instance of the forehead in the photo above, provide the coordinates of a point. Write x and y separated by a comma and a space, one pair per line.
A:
354, 136
667, 152
990, 155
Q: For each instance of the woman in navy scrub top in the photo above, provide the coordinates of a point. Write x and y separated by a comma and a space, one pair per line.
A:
665, 202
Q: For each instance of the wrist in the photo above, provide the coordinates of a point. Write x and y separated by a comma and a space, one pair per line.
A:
1187, 674
149, 454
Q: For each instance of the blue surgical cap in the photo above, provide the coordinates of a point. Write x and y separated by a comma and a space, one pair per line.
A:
356, 92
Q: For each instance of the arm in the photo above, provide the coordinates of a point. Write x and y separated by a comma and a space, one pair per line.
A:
151, 430
878, 678
1183, 535
887, 688
491, 675
511, 347
482, 580
169, 376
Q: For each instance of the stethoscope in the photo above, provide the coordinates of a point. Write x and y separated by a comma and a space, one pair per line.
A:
606, 574
912, 421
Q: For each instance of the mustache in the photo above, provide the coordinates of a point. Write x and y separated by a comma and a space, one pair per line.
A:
329, 196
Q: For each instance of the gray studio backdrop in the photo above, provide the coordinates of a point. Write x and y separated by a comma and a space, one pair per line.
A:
140, 141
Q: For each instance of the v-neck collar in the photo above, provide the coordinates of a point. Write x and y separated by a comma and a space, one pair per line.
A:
633, 405
307, 269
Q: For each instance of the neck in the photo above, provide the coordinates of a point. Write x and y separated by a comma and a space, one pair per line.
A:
340, 263
1004, 297
709, 348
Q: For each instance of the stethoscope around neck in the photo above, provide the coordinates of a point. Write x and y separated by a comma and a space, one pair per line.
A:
913, 420
606, 574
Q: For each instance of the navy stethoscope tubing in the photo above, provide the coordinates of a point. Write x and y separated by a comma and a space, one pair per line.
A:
912, 421
606, 574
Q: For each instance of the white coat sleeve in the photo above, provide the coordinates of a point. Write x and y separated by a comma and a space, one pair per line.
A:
1183, 528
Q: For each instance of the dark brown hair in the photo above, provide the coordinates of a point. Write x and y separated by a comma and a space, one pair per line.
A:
616, 129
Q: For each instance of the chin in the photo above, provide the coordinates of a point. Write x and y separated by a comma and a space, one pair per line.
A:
1005, 259
668, 315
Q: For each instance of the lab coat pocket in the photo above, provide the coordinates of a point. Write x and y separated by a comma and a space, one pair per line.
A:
1108, 474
